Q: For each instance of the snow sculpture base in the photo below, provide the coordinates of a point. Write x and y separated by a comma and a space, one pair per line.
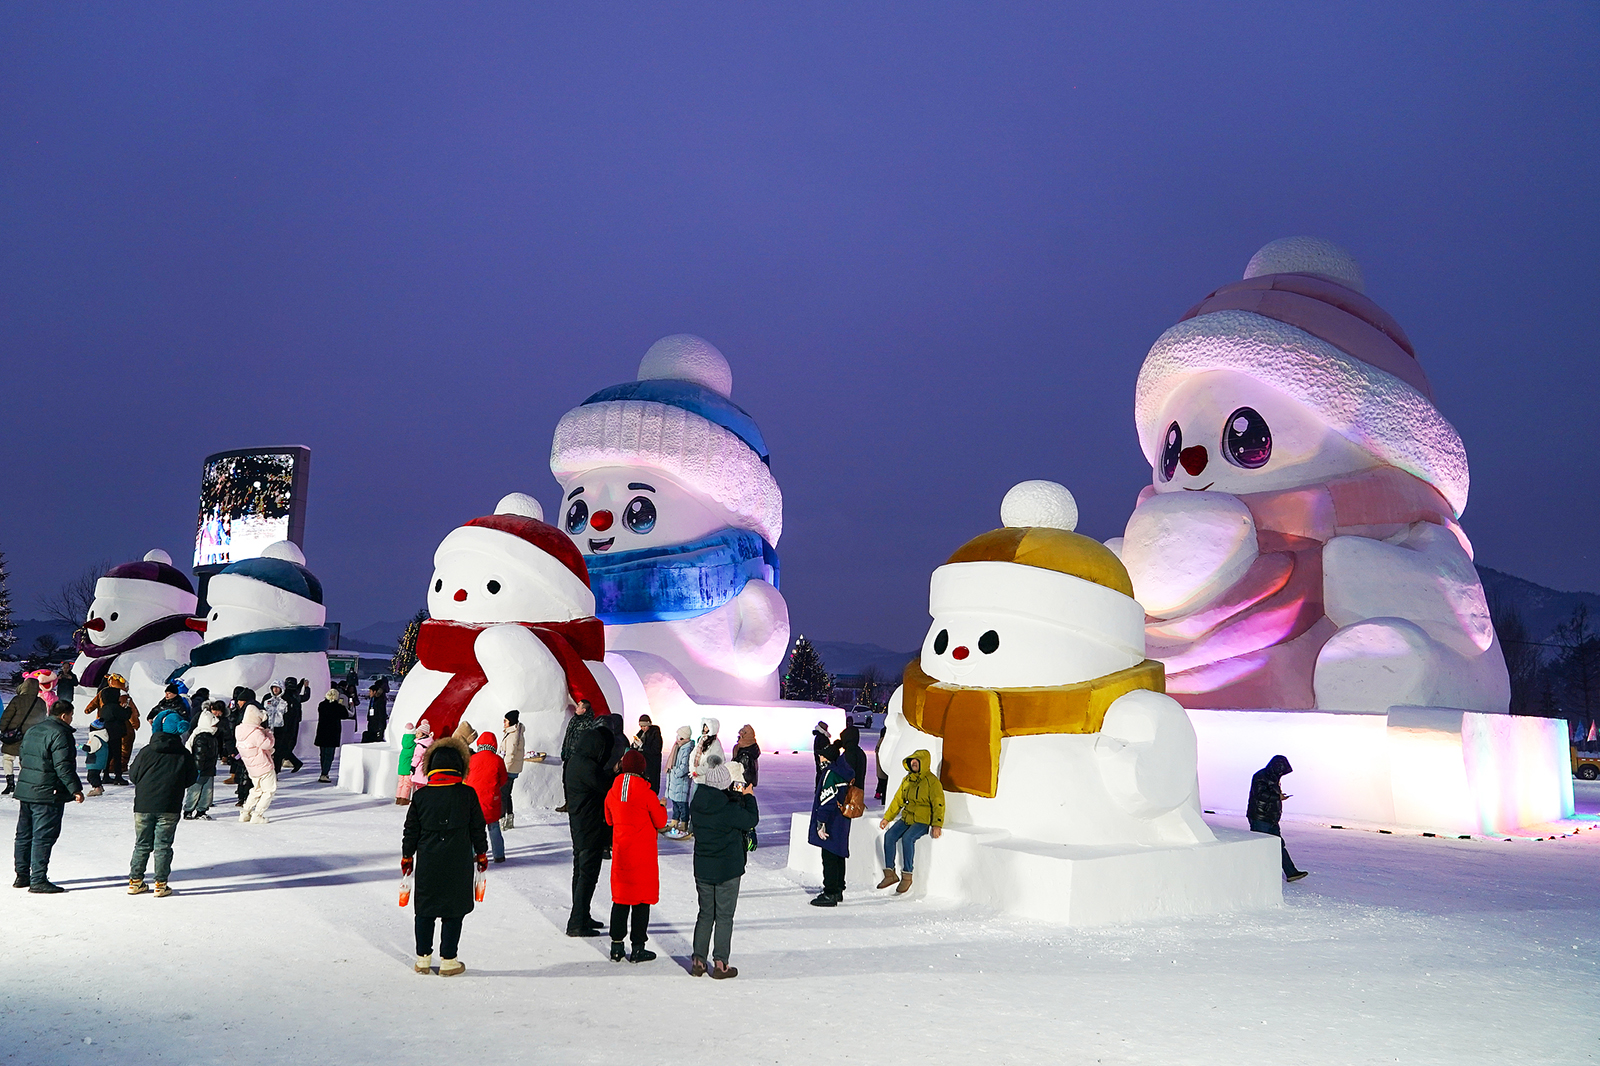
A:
1430, 767
370, 769
1062, 883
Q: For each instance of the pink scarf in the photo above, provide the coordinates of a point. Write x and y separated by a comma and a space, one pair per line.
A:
1257, 646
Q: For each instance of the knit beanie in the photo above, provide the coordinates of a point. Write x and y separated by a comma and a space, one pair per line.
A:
516, 535
1300, 323
631, 763
172, 723
152, 580
678, 418
714, 772
1035, 564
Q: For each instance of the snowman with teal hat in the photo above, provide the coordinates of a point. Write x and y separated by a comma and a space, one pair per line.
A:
265, 622
668, 493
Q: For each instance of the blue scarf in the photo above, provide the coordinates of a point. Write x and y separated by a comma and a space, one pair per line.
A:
287, 641
680, 580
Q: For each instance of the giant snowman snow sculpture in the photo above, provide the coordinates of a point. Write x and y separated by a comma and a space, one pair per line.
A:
1299, 550
140, 625
265, 623
511, 626
668, 493
1299, 544
1070, 789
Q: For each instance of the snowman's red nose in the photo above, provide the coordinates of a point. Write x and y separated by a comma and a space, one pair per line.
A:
95, 624
601, 520
461, 594
1193, 459
960, 653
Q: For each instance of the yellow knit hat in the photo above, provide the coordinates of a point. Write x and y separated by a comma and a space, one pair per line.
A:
1039, 518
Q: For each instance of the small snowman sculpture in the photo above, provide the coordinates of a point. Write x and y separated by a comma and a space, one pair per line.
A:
1299, 546
140, 626
511, 626
265, 622
1033, 694
668, 493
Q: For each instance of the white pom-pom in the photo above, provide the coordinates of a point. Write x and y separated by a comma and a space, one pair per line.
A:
685, 357
1039, 503
1307, 255
284, 549
157, 556
520, 503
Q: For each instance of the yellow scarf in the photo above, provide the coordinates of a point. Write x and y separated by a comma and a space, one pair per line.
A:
972, 720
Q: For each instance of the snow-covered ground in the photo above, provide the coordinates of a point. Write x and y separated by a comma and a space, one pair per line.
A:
284, 944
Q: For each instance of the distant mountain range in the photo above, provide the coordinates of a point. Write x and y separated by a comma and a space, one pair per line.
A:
1542, 609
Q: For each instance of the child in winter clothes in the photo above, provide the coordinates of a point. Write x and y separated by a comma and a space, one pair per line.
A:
202, 745
636, 817
161, 772
408, 758
486, 773
920, 804
255, 750
445, 836
678, 782
97, 755
513, 748
722, 816
419, 754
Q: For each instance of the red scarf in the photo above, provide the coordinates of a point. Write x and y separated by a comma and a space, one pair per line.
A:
1257, 645
448, 648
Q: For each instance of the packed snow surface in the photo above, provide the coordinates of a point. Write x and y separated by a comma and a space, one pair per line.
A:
284, 944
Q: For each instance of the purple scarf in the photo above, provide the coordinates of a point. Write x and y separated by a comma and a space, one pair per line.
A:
101, 655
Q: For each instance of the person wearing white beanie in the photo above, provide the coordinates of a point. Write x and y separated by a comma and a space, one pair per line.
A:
667, 490
1299, 546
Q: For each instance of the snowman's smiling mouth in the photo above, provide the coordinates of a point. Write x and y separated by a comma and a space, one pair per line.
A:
601, 545
1186, 488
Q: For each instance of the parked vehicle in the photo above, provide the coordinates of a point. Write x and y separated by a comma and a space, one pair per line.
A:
1585, 764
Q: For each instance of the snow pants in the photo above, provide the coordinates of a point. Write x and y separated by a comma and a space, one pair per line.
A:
262, 790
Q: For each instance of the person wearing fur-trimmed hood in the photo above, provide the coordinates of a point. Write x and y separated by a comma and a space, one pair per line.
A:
445, 838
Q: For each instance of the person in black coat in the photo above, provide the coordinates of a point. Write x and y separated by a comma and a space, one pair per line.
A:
445, 837
295, 694
1265, 809
722, 815
162, 772
586, 777
116, 718
648, 741
331, 714
821, 741
849, 746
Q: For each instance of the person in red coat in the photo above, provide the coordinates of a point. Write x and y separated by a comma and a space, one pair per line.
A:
487, 776
636, 818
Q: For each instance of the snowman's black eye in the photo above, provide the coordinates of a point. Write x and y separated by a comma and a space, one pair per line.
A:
989, 643
640, 515
1170, 447
214, 615
1246, 439
113, 616
941, 642
493, 587
438, 586
577, 516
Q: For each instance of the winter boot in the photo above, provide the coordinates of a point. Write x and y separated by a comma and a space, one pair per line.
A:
451, 967
640, 953
136, 886
258, 819
511, 821
203, 816
617, 951
905, 884
561, 809
95, 791
324, 780
1298, 874
697, 967
45, 888
824, 900
722, 971
11, 785
244, 816
20, 882
424, 964
162, 889
889, 877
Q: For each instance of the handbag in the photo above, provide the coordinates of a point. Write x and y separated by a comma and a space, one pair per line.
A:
855, 802
10, 736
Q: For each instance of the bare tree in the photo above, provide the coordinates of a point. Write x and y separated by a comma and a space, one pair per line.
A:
1524, 658
871, 681
70, 604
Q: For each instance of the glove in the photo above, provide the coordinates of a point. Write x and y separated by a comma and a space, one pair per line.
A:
483, 862
405, 866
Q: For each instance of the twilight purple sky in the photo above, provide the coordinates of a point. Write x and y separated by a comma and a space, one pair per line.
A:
934, 241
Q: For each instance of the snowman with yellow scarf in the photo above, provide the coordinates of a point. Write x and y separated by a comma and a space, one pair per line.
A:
1033, 693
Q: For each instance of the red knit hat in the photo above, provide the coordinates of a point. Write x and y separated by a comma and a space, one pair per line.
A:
516, 534
632, 763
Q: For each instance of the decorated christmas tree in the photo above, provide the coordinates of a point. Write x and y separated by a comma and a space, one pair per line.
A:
8, 626
807, 679
405, 656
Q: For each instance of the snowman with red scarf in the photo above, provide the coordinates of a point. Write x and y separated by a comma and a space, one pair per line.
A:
511, 627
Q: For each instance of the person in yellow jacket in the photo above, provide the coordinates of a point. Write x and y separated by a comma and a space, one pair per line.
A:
919, 803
